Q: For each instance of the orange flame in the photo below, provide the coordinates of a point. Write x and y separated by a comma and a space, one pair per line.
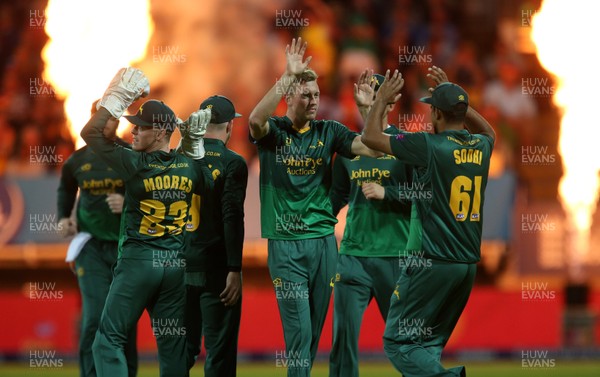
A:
561, 33
88, 42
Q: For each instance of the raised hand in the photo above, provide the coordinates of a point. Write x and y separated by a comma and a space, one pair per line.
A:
437, 75
389, 91
192, 133
364, 89
295, 55
195, 126
127, 86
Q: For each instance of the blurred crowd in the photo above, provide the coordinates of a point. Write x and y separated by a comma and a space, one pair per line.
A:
468, 39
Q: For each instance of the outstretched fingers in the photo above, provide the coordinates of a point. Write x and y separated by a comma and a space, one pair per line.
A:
437, 75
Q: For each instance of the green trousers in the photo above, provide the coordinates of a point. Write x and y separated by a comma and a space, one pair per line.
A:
303, 272
206, 315
358, 280
138, 285
94, 275
428, 300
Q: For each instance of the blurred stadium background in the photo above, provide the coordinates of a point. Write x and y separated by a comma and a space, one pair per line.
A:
536, 303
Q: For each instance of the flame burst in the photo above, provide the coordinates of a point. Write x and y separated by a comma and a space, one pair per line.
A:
88, 42
561, 33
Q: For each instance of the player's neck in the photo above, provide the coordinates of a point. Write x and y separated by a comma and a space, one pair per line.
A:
217, 135
299, 124
453, 127
157, 147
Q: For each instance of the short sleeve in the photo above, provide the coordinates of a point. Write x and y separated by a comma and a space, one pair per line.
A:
274, 137
410, 147
343, 139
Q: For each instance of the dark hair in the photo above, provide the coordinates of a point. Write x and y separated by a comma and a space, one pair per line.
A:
456, 115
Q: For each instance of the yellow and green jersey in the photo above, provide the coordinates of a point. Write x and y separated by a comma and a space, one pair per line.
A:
216, 227
295, 177
86, 171
447, 191
158, 193
367, 220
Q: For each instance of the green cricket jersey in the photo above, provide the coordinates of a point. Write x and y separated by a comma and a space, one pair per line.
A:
449, 179
367, 219
159, 188
86, 171
215, 228
295, 177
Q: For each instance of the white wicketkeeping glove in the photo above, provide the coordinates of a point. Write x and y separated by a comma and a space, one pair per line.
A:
128, 85
192, 133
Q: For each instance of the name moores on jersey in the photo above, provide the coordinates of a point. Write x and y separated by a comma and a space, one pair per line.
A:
168, 182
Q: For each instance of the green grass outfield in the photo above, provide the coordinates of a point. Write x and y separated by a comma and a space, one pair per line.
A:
483, 369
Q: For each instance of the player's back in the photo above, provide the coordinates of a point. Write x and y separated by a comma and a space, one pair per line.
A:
205, 227
456, 175
157, 200
95, 179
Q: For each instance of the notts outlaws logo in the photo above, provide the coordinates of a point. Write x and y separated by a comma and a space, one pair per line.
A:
397, 292
334, 280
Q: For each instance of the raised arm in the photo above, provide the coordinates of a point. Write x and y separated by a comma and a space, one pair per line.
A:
364, 93
389, 93
127, 86
475, 123
359, 148
258, 120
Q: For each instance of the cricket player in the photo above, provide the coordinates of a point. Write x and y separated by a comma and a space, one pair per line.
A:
215, 233
295, 154
159, 185
445, 230
368, 262
98, 212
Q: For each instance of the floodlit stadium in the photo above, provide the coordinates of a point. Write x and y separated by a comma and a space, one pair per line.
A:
534, 307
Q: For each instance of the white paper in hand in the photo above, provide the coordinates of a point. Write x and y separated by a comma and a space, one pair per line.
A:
77, 243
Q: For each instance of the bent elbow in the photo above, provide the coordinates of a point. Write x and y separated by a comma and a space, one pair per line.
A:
368, 140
